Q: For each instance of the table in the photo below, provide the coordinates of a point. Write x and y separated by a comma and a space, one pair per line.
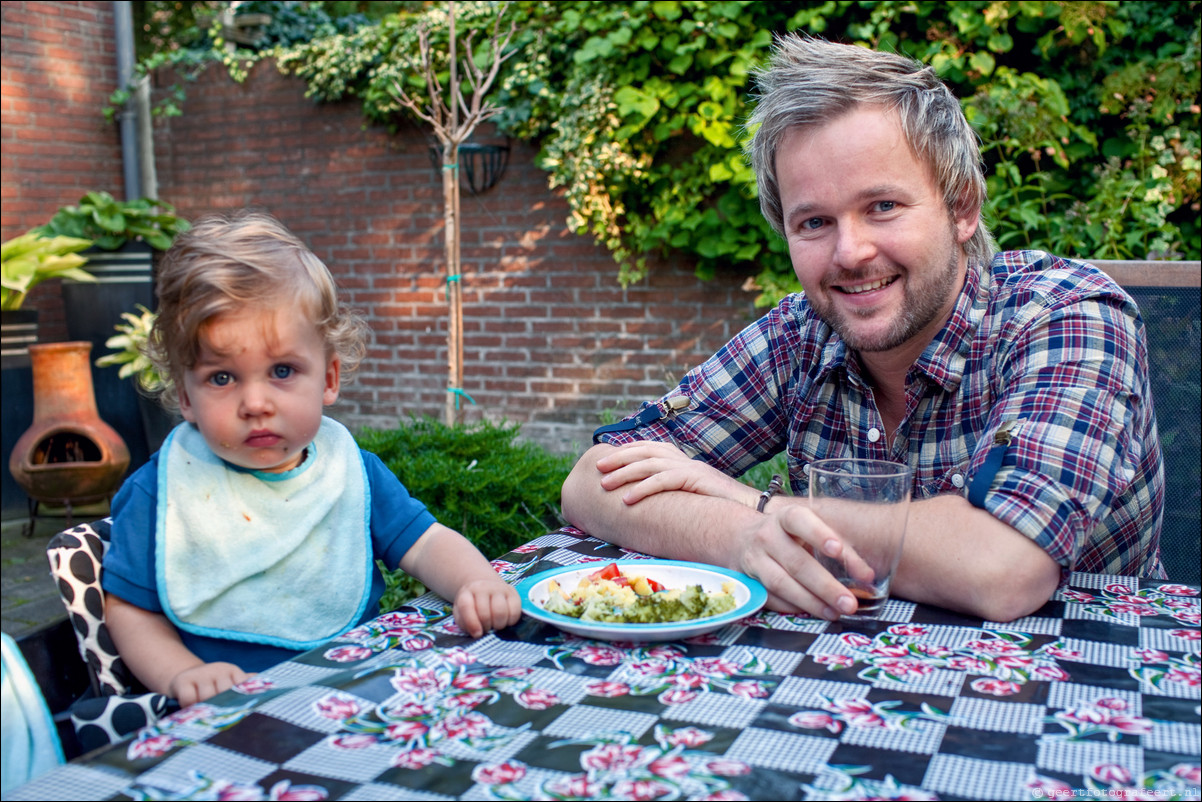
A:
1098, 691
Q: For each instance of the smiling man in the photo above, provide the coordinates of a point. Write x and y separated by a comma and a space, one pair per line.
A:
1015, 385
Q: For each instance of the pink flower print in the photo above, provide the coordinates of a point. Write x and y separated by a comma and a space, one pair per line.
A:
849, 706
715, 667
904, 668
285, 791
468, 682
576, 786
1050, 673
337, 706
639, 790
462, 725
412, 709
1111, 774
416, 643
527, 548
499, 773
993, 646
1131, 598
347, 654
418, 680
687, 680
607, 689
814, 720
1150, 655
1111, 703
725, 767
750, 689
1061, 653
405, 731
1014, 661
225, 791
688, 737
834, 660
401, 621
894, 650
255, 684
996, 687
1184, 675
673, 767
1117, 588
358, 741
932, 650
151, 746
652, 668
1186, 634
468, 700
677, 696
417, 758
1133, 609
971, 665
907, 630
188, 714
855, 640
1078, 596
725, 795
535, 699
1130, 725
599, 655
514, 672
458, 656
1179, 590
1190, 773
611, 757
664, 651
1189, 616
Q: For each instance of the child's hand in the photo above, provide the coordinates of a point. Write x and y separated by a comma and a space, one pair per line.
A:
483, 605
198, 683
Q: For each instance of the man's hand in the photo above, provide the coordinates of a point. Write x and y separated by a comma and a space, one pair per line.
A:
484, 605
640, 470
200, 682
778, 549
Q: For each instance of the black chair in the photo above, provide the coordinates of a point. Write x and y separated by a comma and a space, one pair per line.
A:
1168, 295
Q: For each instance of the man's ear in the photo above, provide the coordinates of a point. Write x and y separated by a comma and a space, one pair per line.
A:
966, 216
333, 381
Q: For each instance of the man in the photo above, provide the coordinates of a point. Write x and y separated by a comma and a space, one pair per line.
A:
1018, 378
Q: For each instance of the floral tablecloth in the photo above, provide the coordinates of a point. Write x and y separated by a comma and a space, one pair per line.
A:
1095, 695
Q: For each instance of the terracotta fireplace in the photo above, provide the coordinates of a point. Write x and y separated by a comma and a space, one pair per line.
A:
69, 456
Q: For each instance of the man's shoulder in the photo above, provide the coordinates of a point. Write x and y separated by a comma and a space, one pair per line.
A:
1045, 274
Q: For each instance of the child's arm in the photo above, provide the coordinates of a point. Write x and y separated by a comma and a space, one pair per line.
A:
448, 564
152, 649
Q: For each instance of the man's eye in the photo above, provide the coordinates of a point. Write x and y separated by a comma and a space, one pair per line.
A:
281, 372
220, 379
812, 224
886, 206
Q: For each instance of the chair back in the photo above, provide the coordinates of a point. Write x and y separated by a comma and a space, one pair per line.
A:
1168, 295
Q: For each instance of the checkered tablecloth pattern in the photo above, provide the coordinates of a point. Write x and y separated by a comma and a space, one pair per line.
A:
1095, 695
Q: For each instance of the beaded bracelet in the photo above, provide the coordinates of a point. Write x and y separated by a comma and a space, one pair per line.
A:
774, 487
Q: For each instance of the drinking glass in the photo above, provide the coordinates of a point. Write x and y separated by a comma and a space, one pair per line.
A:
866, 502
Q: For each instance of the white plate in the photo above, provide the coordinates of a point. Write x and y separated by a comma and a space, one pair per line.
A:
749, 598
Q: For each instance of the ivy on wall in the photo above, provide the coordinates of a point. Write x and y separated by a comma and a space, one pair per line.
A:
1088, 114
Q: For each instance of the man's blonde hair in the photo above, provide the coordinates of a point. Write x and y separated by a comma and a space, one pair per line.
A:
226, 263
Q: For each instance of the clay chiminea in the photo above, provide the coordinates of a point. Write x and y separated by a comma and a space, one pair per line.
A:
69, 455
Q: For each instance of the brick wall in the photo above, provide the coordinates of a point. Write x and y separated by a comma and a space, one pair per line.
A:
551, 339
59, 68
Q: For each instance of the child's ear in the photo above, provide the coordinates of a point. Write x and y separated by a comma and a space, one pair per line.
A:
333, 381
185, 406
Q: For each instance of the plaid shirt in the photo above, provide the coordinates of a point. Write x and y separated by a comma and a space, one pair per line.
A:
1051, 347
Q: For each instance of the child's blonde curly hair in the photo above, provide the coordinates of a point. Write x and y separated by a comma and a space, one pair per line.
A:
225, 263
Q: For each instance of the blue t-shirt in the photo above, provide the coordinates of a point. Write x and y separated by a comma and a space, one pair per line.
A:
397, 521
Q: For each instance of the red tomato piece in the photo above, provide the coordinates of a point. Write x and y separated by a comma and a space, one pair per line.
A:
610, 571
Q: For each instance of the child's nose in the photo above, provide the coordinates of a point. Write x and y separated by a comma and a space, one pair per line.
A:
256, 401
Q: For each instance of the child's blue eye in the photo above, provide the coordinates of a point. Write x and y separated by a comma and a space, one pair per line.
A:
281, 372
221, 379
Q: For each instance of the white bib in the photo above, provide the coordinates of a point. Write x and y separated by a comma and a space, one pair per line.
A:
282, 559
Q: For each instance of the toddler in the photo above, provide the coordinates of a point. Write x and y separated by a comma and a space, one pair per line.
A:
253, 533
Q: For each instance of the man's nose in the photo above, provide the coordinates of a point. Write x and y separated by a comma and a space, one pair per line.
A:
854, 244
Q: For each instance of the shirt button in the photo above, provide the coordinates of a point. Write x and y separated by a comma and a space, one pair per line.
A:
874, 434
806, 469
957, 480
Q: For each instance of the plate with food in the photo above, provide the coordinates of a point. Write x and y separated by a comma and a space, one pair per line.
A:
640, 600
